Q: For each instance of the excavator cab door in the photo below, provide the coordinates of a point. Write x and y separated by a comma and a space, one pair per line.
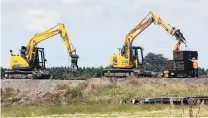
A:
140, 56
38, 60
137, 56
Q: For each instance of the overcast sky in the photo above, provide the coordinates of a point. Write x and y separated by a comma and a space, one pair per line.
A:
98, 27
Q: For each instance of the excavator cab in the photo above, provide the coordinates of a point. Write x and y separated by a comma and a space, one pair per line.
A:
23, 64
119, 66
21, 67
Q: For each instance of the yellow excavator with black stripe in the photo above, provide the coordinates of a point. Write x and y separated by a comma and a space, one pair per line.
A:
129, 62
31, 61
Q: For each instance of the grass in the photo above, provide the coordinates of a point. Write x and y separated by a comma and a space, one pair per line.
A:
141, 88
97, 97
109, 110
109, 91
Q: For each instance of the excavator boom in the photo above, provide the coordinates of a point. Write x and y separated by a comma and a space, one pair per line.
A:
146, 22
58, 29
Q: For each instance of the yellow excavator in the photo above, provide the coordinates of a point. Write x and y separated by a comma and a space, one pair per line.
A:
130, 60
30, 64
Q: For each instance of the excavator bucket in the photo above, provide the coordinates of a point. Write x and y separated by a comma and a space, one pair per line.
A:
74, 61
179, 36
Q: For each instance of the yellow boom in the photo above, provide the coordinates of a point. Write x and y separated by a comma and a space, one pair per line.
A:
58, 29
146, 22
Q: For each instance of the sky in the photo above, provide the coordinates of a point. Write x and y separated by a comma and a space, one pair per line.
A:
98, 27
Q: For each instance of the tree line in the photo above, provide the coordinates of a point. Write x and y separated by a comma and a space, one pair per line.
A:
153, 62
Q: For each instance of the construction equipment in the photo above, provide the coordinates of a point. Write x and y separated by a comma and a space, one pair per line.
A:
31, 62
180, 66
129, 62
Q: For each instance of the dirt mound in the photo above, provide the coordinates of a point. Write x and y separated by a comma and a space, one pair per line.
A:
29, 90
96, 90
34, 87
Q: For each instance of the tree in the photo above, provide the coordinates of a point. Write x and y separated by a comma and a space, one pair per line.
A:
202, 71
154, 62
81, 73
207, 71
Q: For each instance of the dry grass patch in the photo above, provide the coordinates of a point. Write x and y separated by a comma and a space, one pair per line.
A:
99, 91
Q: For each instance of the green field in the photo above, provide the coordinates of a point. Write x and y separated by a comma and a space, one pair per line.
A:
101, 110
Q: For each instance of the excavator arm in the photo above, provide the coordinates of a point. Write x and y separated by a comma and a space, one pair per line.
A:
147, 21
58, 29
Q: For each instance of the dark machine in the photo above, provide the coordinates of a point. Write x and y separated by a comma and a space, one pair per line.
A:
180, 66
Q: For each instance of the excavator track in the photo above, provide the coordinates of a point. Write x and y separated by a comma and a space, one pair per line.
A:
16, 74
120, 73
